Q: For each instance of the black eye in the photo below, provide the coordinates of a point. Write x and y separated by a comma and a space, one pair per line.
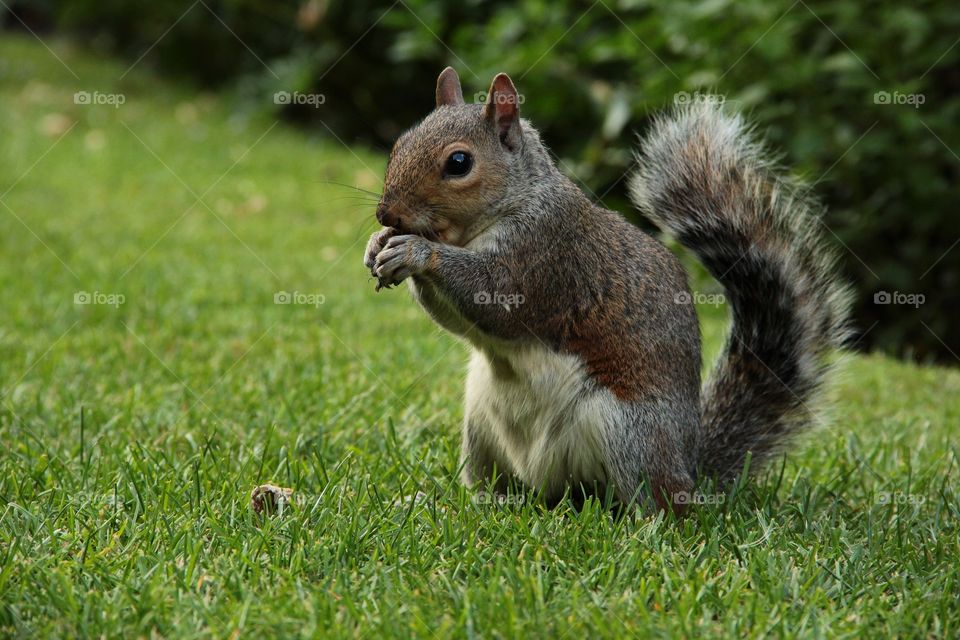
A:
458, 164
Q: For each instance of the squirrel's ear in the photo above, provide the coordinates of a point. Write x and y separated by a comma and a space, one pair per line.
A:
448, 88
503, 109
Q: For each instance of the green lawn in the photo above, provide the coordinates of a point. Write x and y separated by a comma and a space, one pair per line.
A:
133, 433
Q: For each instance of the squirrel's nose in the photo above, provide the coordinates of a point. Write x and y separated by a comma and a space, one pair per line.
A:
384, 216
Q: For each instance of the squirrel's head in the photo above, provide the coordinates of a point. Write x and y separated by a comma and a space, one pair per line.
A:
447, 175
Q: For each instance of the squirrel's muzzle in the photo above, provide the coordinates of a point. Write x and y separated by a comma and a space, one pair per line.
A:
394, 212
384, 216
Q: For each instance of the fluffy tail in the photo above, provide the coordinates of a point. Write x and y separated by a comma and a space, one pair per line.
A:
707, 181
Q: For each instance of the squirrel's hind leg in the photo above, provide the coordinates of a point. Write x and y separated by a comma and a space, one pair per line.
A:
481, 467
648, 444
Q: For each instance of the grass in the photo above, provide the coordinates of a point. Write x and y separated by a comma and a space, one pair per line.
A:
132, 434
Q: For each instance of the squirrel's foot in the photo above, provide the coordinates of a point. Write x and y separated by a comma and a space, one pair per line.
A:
402, 257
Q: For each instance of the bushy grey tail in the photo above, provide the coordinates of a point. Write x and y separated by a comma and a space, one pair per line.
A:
707, 181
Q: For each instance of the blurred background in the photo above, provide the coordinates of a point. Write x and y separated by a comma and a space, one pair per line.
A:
862, 99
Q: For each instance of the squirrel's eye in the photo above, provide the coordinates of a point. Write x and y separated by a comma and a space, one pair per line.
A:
458, 164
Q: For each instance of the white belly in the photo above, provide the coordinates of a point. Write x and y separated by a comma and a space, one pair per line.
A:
546, 422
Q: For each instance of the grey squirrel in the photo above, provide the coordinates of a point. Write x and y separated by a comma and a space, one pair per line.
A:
585, 365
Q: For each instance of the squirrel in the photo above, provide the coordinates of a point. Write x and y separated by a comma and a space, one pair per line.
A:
585, 364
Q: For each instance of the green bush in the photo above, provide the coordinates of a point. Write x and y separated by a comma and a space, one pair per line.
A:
813, 75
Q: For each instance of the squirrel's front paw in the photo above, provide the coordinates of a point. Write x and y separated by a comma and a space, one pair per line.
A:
374, 246
402, 257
